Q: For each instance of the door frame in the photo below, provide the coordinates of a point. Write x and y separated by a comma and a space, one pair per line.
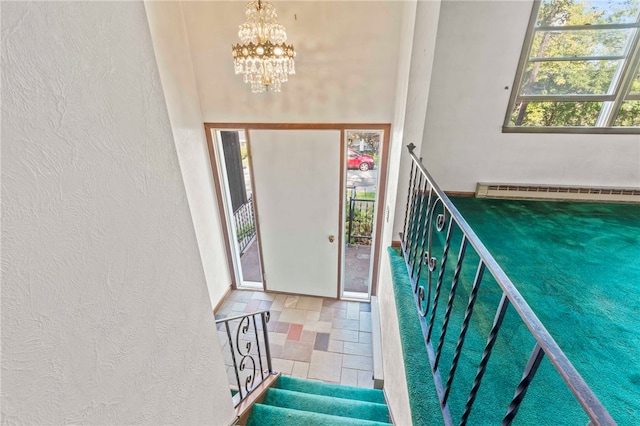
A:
211, 127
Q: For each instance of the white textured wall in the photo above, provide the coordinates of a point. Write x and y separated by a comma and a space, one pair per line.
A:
173, 55
419, 86
395, 382
105, 313
478, 47
417, 46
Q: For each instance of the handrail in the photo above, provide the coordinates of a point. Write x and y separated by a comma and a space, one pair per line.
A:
247, 353
413, 242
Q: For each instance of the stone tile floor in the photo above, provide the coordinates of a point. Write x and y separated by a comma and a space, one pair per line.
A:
310, 337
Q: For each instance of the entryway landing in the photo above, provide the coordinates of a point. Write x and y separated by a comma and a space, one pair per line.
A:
310, 337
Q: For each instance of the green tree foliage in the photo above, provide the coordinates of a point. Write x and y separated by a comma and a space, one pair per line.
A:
629, 114
371, 139
575, 77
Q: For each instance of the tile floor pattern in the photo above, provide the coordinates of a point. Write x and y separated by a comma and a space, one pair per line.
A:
311, 337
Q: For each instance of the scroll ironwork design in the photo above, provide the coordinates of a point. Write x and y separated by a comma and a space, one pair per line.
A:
249, 351
429, 212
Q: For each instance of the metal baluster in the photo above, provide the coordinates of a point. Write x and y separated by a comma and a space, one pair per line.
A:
529, 372
407, 211
493, 335
412, 211
255, 329
233, 357
445, 255
415, 221
425, 229
421, 222
235, 219
266, 316
351, 208
465, 326
371, 214
425, 256
452, 293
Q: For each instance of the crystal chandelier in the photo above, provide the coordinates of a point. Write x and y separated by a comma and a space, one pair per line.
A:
263, 58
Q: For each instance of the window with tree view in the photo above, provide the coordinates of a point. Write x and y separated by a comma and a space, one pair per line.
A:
580, 68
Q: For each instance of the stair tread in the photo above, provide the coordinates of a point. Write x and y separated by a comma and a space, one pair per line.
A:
267, 415
333, 390
324, 404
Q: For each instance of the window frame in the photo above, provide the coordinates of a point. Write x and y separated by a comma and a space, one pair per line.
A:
611, 102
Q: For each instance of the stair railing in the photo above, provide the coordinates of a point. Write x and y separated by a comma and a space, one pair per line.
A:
247, 353
429, 211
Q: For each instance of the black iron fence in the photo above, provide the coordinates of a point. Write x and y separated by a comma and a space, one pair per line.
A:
478, 289
246, 352
245, 222
360, 213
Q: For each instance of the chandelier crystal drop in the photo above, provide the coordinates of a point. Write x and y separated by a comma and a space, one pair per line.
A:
263, 57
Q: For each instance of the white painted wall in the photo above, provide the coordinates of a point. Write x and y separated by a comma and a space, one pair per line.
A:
395, 379
427, 18
105, 313
414, 68
171, 46
346, 63
478, 47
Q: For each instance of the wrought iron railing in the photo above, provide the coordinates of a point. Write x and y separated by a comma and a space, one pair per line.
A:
429, 212
359, 217
246, 351
360, 221
245, 222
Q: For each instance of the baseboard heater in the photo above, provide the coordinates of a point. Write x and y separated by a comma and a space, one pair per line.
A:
557, 192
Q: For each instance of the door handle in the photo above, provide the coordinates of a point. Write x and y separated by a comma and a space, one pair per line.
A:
331, 238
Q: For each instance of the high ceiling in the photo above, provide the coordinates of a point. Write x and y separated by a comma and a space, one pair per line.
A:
346, 63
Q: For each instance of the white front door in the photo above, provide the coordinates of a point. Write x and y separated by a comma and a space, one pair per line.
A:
297, 189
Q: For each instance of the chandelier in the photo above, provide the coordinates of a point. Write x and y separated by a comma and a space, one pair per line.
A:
263, 58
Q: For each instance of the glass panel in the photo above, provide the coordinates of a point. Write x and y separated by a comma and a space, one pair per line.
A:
238, 192
363, 150
548, 44
568, 77
556, 114
629, 114
581, 12
635, 85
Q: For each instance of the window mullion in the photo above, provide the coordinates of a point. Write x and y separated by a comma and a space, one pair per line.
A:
625, 79
587, 27
565, 98
522, 63
576, 58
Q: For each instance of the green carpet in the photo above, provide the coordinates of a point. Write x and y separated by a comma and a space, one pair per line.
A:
423, 399
266, 415
327, 405
556, 255
578, 266
305, 402
328, 389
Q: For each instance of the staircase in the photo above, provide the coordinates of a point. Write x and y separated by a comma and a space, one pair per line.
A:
304, 402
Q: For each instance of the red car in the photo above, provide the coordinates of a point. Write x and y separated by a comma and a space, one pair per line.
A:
356, 160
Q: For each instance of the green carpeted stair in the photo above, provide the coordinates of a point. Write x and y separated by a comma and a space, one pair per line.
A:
296, 401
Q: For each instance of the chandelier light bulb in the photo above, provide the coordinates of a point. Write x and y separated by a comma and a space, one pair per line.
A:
262, 57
